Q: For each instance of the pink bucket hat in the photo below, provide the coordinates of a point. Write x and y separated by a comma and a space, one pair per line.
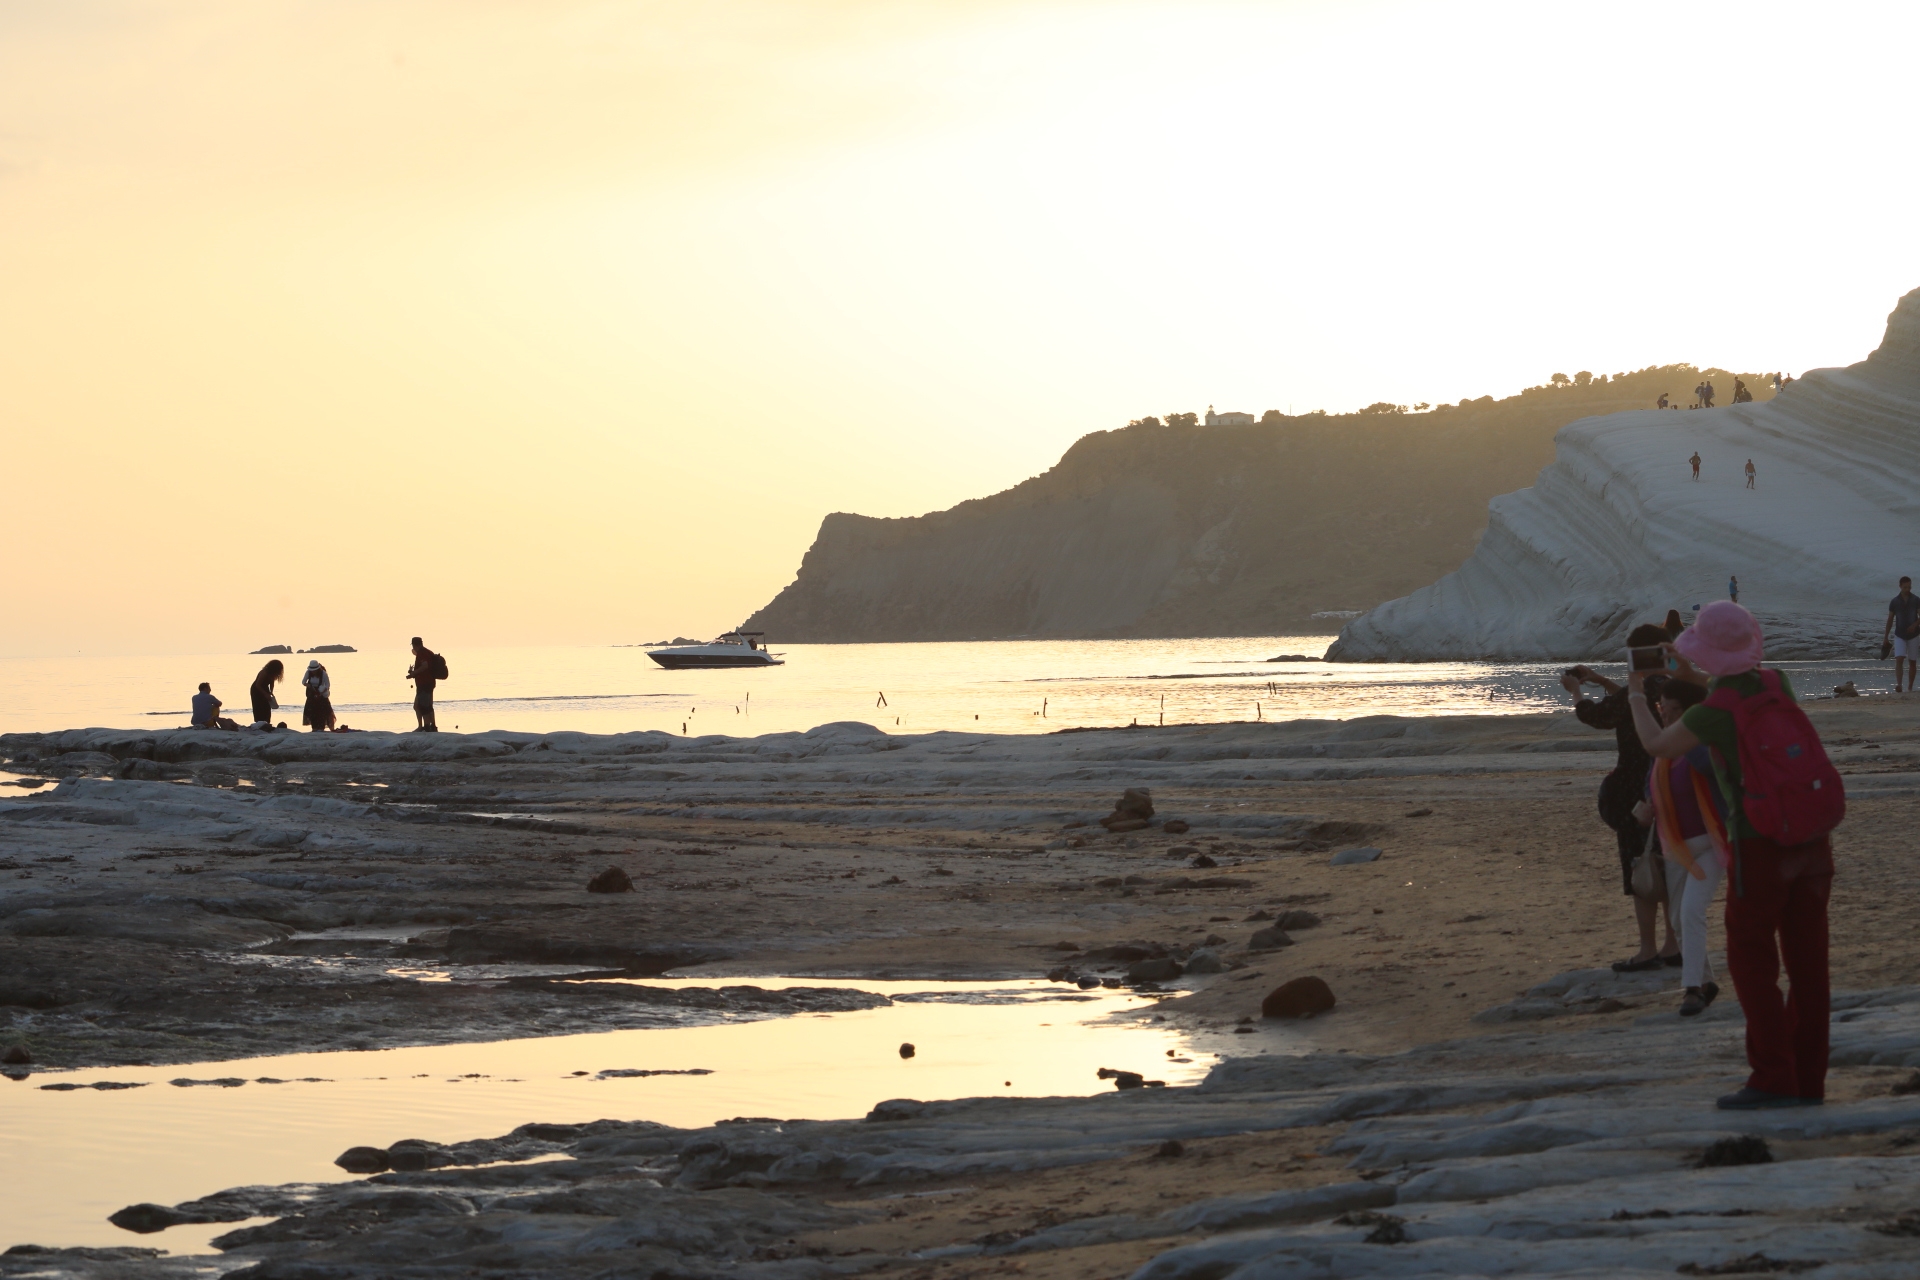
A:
1723, 641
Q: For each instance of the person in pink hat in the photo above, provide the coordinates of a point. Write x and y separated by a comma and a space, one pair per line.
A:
1777, 909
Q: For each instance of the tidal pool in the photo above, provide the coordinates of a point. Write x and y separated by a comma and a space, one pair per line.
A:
77, 1155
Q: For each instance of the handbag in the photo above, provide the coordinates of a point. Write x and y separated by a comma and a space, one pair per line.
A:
1650, 872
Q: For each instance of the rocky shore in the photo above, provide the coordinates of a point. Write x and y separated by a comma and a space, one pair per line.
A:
187, 897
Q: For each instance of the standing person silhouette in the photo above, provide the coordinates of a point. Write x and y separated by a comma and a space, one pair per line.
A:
1695, 460
1706, 395
1903, 622
1662, 403
260, 692
1750, 473
1733, 588
425, 673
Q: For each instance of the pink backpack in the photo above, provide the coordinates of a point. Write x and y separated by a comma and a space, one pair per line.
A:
1790, 791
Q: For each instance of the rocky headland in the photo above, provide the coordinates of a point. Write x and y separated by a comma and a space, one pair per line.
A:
1486, 1097
1155, 530
1616, 531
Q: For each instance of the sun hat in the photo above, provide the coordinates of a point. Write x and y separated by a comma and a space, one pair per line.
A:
1724, 640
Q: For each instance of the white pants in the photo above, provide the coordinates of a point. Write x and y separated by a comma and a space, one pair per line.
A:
1689, 899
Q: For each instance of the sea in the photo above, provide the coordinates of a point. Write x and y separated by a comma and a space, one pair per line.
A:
1003, 686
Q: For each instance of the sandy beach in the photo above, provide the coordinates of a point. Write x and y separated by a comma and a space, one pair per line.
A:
165, 897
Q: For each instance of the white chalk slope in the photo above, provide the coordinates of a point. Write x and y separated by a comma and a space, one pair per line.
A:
1615, 533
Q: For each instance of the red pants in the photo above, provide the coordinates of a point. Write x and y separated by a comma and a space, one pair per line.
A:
1781, 891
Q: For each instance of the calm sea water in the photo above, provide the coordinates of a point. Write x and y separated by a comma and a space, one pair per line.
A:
1012, 686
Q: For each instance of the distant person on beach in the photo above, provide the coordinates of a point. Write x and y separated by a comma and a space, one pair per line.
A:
1620, 792
1777, 910
1750, 473
1903, 622
1695, 460
1683, 805
1673, 624
1733, 590
1706, 395
1663, 400
318, 712
261, 693
1776, 384
1740, 393
206, 710
428, 669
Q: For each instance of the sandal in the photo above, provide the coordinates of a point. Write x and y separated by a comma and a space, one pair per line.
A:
1638, 966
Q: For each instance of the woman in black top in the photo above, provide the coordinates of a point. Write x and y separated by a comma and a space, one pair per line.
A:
261, 691
1624, 788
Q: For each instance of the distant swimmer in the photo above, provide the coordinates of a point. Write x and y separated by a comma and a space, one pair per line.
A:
1695, 460
1750, 473
1733, 588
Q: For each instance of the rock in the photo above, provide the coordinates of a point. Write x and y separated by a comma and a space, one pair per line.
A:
1205, 961
1176, 827
906, 1051
363, 1160
1119, 824
1296, 919
1262, 914
1300, 998
1088, 983
1170, 1149
1137, 801
1270, 938
143, 1219
1159, 970
612, 880
1213, 940
411, 1155
273, 648
16, 1055
1847, 690
1747, 1148
1202, 860
1122, 1079
1418, 813
1350, 857
896, 1109
1182, 850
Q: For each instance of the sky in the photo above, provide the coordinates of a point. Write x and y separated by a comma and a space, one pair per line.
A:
565, 322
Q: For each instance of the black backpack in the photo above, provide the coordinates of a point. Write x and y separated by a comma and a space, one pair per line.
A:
436, 665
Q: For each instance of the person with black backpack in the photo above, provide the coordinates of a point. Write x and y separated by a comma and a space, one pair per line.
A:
428, 669
1783, 799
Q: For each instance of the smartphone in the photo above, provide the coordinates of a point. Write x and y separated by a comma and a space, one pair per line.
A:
1651, 658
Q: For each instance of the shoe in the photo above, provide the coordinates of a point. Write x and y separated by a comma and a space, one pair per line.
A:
1673, 961
1638, 966
1694, 1003
1711, 990
1752, 1099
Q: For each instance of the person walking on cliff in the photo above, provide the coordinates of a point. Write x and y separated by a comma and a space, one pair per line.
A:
260, 692
428, 669
1706, 395
1903, 622
1783, 799
318, 713
1662, 402
1695, 460
1750, 473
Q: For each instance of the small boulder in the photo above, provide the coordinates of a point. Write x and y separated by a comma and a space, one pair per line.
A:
1747, 1148
1300, 998
1205, 960
1176, 827
612, 880
1296, 919
1137, 801
1117, 824
906, 1051
1271, 938
363, 1160
1170, 1149
1202, 860
1087, 983
144, 1219
16, 1055
1122, 1079
1351, 857
1160, 970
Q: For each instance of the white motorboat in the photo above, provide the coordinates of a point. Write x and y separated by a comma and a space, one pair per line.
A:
734, 649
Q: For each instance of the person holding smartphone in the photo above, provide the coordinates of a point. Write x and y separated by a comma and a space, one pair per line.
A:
1621, 792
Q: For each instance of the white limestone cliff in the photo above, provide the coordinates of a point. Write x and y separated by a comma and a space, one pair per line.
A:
1615, 532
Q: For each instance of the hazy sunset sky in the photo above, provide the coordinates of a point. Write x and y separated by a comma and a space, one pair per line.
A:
566, 322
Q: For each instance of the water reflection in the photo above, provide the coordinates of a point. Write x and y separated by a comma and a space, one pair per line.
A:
95, 1151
